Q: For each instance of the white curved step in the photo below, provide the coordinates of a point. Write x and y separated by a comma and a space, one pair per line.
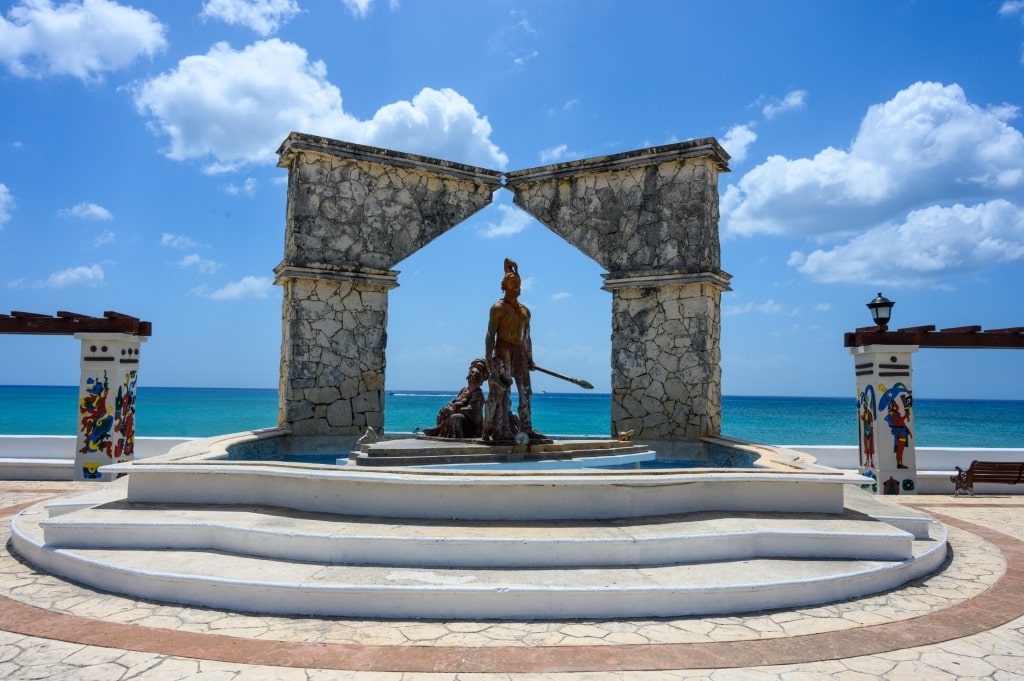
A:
287, 587
333, 539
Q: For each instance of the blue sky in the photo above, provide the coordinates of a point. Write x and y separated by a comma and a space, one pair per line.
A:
876, 146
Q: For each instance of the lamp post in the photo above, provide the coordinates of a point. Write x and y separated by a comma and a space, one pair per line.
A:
881, 310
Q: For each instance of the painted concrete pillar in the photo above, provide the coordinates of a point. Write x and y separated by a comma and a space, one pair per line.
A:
106, 401
353, 213
649, 217
885, 419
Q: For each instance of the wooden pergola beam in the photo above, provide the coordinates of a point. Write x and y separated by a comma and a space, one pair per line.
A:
66, 323
928, 337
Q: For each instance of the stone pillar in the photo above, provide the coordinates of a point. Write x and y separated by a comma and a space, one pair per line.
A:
649, 217
666, 357
353, 213
332, 350
106, 402
885, 417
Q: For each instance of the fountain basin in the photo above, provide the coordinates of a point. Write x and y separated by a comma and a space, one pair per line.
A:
204, 472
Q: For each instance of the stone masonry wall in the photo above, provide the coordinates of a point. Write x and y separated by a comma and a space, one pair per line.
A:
360, 214
661, 213
331, 382
354, 212
666, 377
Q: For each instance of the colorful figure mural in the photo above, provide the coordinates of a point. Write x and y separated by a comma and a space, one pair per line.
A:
97, 419
866, 417
899, 422
124, 417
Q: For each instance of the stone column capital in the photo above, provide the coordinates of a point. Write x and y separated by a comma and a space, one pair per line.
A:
387, 279
666, 277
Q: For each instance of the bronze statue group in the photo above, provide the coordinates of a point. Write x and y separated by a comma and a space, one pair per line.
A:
508, 359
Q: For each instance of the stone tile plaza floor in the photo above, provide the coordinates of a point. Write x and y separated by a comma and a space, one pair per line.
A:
964, 622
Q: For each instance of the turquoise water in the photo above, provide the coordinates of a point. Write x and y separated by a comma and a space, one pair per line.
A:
201, 412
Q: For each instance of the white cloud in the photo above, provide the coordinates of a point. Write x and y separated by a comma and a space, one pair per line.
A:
262, 16
931, 241
194, 261
793, 101
519, 61
737, 139
554, 154
561, 295
6, 204
247, 287
517, 40
176, 241
767, 307
928, 145
1010, 8
76, 276
233, 108
248, 187
513, 221
359, 8
103, 239
81, 39
87, 210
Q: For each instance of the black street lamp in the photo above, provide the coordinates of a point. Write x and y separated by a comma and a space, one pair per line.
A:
881, 310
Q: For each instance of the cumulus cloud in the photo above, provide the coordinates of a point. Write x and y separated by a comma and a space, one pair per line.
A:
737, 140
262, 16
233, 108
247, 287
932, 240
513, 221
177, 241
927, 145
193, 261
87, 210
6, 204
91, 275
80, 39
793, 101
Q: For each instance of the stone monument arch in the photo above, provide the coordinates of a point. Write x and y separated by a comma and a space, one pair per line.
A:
649, 217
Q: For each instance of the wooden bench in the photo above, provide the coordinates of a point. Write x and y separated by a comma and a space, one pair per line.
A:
1009, 473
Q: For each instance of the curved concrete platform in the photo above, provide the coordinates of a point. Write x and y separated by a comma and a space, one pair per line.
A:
248, 559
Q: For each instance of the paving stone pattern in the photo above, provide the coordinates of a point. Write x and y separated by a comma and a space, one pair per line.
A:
964, 622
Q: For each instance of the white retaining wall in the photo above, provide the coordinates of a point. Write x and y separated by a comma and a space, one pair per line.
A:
935, 465
51, 457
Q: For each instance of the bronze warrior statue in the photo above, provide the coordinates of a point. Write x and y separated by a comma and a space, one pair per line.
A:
509, 354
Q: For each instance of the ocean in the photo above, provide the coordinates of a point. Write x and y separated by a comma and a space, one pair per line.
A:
201, 412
